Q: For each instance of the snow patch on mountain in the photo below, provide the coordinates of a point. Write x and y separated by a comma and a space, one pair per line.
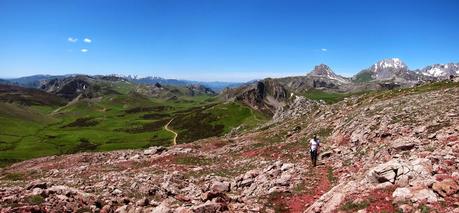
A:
441, 70
394, 63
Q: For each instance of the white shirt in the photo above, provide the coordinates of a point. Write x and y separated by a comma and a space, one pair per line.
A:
314, 144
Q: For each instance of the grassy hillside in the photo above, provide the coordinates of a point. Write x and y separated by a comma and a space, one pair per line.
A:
328, 97
363, 77
117, 121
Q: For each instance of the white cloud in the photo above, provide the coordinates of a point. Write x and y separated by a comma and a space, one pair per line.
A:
87, 40
72, 40
323, 50
84, 50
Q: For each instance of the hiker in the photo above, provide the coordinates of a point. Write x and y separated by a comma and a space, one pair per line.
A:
315, 144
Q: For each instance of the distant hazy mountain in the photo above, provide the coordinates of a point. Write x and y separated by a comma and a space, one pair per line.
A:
214, 85
4, 81
35, 81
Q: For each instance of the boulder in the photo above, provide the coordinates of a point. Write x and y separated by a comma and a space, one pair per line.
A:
284, 180
122, 209
117, 192
388, 172
143, 202
183, 210
287, 166
402, 194
154, 150
208, 207
37, 184
220, 187
424, 195
401, 172
446, 187
161, 209
404, 143
325, 154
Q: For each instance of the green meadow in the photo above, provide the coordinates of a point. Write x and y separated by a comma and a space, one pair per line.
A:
125, 120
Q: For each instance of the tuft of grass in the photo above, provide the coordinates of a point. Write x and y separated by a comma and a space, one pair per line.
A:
299, 188
193, 160
324, 132
330, 175
35, 199
14, 176
424, 208
351, 206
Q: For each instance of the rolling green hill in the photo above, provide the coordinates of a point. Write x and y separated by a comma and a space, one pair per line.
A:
124, 119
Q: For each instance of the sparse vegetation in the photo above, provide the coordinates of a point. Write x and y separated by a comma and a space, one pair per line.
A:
193, 160
328, 97
14, 176
424, 209
330, 175
352, 206
35, 199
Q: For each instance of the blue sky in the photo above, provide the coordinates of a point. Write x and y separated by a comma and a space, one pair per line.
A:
225, 40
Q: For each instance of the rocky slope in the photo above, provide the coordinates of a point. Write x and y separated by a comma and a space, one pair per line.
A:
266, 95
172, 92
79, 85
390, 151
28, 96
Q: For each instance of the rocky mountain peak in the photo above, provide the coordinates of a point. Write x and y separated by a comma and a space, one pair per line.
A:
322, 70
388, 69
441, 70
389, 63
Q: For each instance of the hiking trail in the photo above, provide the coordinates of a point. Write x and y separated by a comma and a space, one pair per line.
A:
166, 127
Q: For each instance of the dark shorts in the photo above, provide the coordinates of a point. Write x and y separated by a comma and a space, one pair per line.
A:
313, 156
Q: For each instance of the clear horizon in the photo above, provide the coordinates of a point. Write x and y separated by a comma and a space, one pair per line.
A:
230, 41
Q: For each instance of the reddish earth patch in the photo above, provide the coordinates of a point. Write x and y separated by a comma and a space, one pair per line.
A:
451, 138
441, 177
381, 200
212, 145
299, 202
250, 153
342, 139
447, 205
268, 152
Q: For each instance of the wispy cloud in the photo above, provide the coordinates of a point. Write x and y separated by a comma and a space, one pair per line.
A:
84, 50
72, 39
87, 40
323, 50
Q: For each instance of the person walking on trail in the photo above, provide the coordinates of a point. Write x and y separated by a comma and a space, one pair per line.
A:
315, 144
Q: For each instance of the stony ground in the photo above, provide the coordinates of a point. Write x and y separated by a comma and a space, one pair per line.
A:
384, 152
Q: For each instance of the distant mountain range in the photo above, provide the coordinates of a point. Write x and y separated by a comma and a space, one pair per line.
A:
269, 94
391, 70
214, 85
35, 81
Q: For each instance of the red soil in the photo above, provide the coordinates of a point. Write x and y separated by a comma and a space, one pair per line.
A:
298, 203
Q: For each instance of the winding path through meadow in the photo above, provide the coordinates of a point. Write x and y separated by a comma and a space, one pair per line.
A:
166, 127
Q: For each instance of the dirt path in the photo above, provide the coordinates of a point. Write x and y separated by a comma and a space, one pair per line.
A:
68, 104
166, 127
